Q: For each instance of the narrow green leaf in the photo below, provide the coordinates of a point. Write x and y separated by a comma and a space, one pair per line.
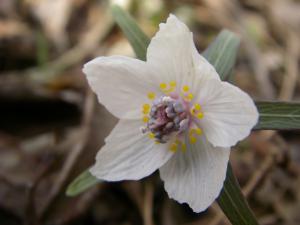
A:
221, 53
83, 182
278, 116
42, 50
137, 38
233, 203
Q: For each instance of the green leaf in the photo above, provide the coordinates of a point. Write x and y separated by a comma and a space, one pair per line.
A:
278, 116
221, 53
83, 182
233, 203
137, 38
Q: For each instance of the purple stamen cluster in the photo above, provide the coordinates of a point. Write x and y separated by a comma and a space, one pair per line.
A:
167, 115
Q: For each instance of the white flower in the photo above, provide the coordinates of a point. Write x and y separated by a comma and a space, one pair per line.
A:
176, 115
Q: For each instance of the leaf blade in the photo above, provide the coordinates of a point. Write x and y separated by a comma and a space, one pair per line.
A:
81, 183
231, 199
278, 116
239, 213
222, 52
137, 38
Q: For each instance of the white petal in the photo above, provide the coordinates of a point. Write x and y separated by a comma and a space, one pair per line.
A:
121, 84
172, 52
128, 154
229, 113
196, 176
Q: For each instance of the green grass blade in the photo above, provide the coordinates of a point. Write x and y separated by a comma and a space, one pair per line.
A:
233, 203
83, 182
278, 116
221, 53
137, 38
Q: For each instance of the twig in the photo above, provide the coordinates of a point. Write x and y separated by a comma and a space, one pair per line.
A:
90, 42
73, 156
259, 174
31, 213
148, 204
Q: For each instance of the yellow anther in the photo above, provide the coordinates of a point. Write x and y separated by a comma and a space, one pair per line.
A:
183, 147
151, 95
157, 142
163, 86
200, 115
151, 135
193, 140
192, 134
173, 147
173, 84
197, 107
198, 131
145, 119
146, 108
192, 111
185, 88
190, 96
196, 111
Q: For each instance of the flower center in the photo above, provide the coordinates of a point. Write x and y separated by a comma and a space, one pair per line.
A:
172, 116
167, 116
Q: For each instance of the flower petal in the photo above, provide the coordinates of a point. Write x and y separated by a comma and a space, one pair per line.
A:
172, 52
196, 176
229, 113
121, 84
128, 154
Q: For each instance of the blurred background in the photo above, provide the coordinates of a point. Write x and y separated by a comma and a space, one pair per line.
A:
51, 125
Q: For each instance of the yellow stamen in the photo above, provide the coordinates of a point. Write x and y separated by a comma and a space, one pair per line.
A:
185, 88
198, 131
192, 111
192, 133
187, 96
151, 135
173, 84
193, 140
145, 119
173, 147
146, 108
196, 111
197, 107
151, 95
200, 115
163, 86
183, 147
190, 96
